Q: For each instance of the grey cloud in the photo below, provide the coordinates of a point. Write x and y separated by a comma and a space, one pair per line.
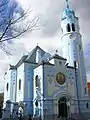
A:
2, 55
52, 50
83, 7
51, 27
53, 14
87, 64
3, 65
19, 51
87, 57
52, 18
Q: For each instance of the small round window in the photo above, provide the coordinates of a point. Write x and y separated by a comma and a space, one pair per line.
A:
7, 86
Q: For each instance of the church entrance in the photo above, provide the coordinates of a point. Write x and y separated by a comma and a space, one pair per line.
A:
62, 107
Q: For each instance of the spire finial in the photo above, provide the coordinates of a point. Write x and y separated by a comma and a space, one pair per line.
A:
67, 5
37, 44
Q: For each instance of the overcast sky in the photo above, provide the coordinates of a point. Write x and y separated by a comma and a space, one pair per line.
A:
49, 37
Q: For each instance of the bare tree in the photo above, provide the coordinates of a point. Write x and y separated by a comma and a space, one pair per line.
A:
14, 24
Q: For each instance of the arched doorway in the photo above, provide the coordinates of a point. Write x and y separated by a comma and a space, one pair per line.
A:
62, 107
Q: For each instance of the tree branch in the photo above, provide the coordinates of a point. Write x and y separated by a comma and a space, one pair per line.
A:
28, 28
3, 4
4, 32
9, 26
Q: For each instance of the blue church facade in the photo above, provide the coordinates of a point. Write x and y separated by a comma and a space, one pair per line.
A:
44, 84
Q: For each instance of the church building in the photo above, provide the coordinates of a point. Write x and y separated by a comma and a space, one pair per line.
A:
44, 85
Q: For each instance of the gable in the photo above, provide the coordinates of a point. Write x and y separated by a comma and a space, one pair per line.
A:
32, 55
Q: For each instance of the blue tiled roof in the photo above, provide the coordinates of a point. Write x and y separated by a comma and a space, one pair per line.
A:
27, 58
58, 57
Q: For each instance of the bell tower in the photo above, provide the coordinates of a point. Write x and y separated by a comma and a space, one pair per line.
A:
72, 46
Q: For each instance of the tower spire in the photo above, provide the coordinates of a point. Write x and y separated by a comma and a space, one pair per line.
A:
67, 4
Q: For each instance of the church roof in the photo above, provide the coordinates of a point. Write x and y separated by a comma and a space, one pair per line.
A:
33, 52
58, 57
71, 67
12, 66
21, 60
30, 58
19, 63
45, 63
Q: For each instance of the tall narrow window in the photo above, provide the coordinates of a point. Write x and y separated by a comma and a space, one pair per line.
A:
19, 84
87, 106
73, 27
68, 28
36, 81
85, 91
7, 86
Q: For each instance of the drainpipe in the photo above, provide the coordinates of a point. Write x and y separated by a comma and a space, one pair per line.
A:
77, 86
43, 91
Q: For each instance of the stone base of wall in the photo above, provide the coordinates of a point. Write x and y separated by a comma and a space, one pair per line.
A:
81, 116
76, 116
49, 117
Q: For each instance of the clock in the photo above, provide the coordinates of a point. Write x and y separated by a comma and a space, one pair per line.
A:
60, 78
72, 36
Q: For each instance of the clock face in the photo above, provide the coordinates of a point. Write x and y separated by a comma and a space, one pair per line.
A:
72, 36
60, 78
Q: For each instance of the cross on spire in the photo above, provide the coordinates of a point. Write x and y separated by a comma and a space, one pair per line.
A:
67, 4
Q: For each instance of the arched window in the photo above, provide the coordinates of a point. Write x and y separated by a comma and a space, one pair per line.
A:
36, 81
87, 106
19, 84
68, 28
73, 27
7, 86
